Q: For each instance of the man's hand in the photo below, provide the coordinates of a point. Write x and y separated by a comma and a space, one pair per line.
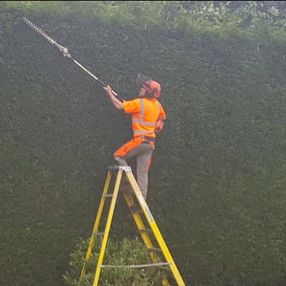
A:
108, 90
159, 126
115, 101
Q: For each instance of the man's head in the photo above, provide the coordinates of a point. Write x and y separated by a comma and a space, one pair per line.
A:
148, 87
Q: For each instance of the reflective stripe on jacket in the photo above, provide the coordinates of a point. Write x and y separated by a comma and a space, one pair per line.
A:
145, 113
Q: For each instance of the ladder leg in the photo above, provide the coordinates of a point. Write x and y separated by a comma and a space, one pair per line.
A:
145, 237
167, 254
107, 228
139, 222
96, 224
155, 230
140, 225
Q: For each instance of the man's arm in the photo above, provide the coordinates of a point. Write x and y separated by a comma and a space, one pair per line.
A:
159, 126
115, 101
162, 113
160, 122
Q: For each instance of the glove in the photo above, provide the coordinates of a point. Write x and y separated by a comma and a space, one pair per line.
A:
159, 126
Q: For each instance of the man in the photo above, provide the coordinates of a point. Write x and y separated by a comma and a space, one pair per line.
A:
147, 120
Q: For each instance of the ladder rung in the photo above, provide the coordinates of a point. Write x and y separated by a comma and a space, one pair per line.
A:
155, 249
113, 168
100, 233
117, 167
145, 230
126, 190
165, 268
135, 209
137, 266
108, 195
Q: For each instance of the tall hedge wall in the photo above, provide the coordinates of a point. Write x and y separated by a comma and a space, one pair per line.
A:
217, 185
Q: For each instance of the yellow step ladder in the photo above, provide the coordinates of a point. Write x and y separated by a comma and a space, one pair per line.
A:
139, 211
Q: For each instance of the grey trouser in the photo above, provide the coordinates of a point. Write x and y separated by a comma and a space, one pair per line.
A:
143, 154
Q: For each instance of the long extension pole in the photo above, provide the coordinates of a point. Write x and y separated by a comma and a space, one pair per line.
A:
65, 52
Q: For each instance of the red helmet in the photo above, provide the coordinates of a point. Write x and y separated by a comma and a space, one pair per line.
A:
153, 88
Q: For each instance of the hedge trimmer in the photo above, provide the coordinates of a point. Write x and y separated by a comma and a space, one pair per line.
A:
65, 52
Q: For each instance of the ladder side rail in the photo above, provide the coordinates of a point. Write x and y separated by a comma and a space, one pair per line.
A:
107, 228
138, 220
96, 224
167, 253
155, 230
140, 225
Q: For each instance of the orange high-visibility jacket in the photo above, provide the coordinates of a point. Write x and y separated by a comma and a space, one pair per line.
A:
145, 113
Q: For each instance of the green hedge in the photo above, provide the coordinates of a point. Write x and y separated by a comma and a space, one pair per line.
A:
217, 185
223, 18
118, 253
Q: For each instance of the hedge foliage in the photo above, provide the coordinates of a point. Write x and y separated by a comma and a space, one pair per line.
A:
217, 185
122, 254
221, 17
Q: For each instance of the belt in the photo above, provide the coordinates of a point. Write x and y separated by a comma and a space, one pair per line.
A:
149, 140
